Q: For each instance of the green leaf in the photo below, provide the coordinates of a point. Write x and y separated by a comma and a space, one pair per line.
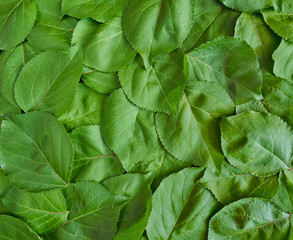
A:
7, 107
253, 105
285, 6
17, 17
154, 27
278, 97
181, 208
283, 60
85, 108
160, 167
159, 88
100, 10
14, 229
37, 153
281, 23
99, 81
50, 31
49, 80
232, 184
257, 143
284, 197
248, 5
198, 115
4, 184
11, 62
211, 20
93, 213
43, 212
129, 131
250, 218
106, 39
134, 216
93, 160
252, 29
232, 64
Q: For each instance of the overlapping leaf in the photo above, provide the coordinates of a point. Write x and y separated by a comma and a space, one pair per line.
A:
202, 105
129, 131
17, 17
159, 88
36, 152
250, 218
257, 143
93, 160
48, 82
181, 208
232, 64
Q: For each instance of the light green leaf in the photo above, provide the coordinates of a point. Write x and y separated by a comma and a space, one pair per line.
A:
11, 62
14, 229
284, 197
232, 64
285, 6
181, 208
250, 218
105, 47
280, 23
192, 134
159, 88
37, 153
211, 20
154, 27
93, 160
17, 18
7, 107
134, 216
99, 81
253, 105
278, 97
100, 10
93, 213
232, 184
85, 108
50, 31
248, 5
48, 82
252, 29
284, 61
43, 211
257, 143
129, 131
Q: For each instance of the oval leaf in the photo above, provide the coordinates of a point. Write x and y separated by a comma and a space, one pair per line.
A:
159, 88
154, 27
14, 229
250, 218
257, 143
49, 80
232, 64
136, 141
17, 17
181, 209
198, 114
37, 153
